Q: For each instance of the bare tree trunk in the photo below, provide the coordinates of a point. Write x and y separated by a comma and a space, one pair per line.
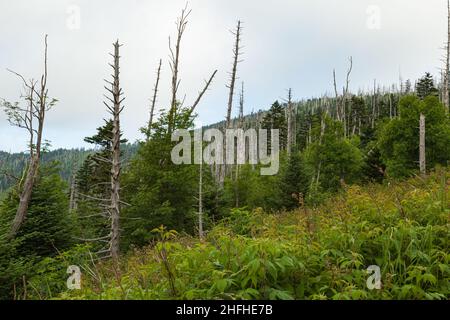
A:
174, 66
289, 123
38, 112
373, 105
390, 106
116, 166
447, 64
73, 202
200, 201
152, 107
236, 54
422, 161
240, 151
338, 107
25, 197
345, 98
341, 103
309, 138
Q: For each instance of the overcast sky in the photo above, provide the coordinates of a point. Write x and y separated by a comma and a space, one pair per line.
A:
287, 43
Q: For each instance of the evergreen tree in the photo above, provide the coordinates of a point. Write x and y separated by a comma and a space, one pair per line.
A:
408, 86
425, 86
94, 183
159, 191
48, 229
275, 119
398, 139
332, 159
49, 225
293, 181
359, 115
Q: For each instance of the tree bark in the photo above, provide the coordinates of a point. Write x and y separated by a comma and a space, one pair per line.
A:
233, 73
338, 107
174, 66
116, 167
35, 154
152, 107
422, 161
200, 201
345, 97
228, 124
73, 202
289, 123
240, 151
447, 63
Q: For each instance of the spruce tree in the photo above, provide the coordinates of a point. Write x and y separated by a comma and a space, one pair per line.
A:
398, 139
425, 86
275, 119
93, 183
293, 181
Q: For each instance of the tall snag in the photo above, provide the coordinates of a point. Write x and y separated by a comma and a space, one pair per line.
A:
174, 61
290, 127
38, 103
240, 125
341, 104
200, 201
230, 86
181, 24
115, 110
236, 60
422, 163
153, 102
446, 97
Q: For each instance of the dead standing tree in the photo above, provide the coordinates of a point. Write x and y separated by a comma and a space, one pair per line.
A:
115, 110
422, 161
341, 102
153, 101
290, 132
38, 103
347, 82
174, 63
200, 201
233, 76
181, 24
446, 97
73, 197
240, 125
236, 54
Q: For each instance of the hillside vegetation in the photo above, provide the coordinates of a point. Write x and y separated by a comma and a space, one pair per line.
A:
307, 253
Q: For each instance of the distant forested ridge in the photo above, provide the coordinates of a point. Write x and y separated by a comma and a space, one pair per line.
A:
306, 111
366, 110
69, 161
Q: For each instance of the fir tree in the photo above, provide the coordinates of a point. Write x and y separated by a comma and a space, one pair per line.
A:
275, 119
425, 86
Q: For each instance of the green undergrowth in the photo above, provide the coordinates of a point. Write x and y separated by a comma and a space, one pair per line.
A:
308, 253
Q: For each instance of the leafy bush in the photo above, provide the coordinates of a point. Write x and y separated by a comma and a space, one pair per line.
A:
320, 253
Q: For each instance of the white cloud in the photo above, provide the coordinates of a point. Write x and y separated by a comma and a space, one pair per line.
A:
287, 44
